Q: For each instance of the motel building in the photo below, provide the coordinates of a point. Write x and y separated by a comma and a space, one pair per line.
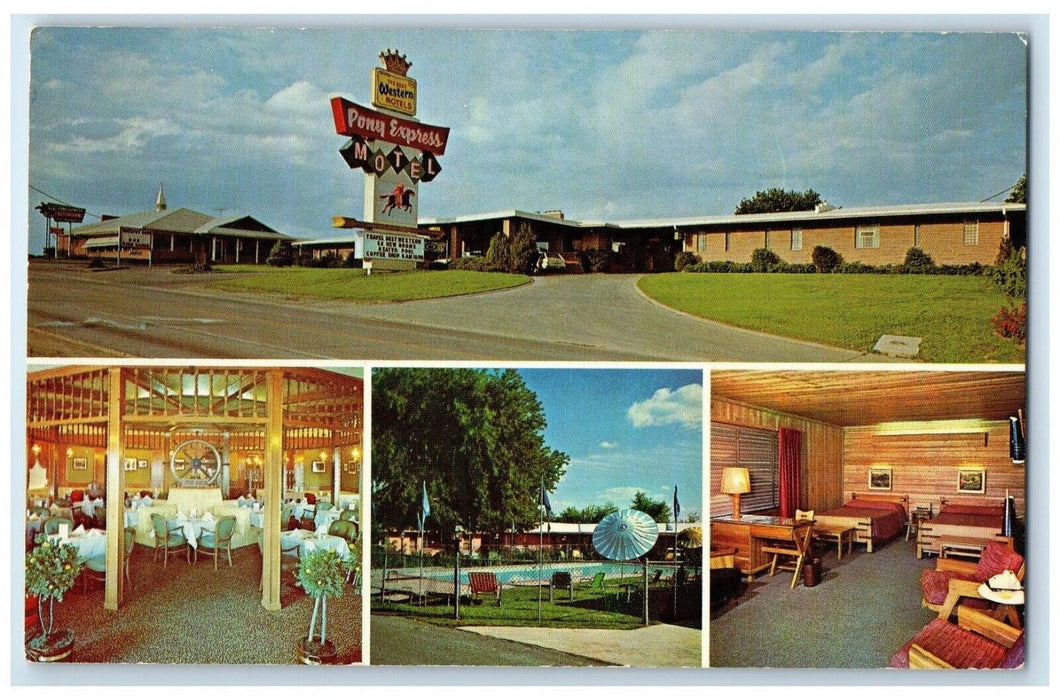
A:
180, 236
951, 233
117, 456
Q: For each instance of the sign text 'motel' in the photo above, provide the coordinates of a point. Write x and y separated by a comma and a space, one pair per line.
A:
354, 120
358, 154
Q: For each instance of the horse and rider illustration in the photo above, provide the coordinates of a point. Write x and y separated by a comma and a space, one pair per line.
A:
400, 198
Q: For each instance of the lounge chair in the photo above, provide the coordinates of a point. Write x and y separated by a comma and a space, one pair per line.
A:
484, 583
952, 580
561, 580
976, 641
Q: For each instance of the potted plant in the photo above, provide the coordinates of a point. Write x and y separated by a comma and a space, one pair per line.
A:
51, 569
322, 575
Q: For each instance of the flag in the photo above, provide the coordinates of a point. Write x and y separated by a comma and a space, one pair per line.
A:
426, 505
677, 506
545, 502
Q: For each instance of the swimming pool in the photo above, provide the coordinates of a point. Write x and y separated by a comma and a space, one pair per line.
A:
514, 574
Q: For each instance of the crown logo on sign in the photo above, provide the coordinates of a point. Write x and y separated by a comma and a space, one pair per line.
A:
395, 62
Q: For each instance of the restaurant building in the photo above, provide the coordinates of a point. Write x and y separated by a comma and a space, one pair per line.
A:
178, 236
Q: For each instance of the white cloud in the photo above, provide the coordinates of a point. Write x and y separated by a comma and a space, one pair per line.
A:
683, 407
608, 445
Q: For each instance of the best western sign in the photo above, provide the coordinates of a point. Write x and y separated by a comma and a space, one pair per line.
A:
393, 91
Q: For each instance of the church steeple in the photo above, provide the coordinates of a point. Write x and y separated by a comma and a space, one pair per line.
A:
160, 203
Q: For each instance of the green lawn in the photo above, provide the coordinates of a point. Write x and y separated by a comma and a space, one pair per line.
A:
353, 285
951, 313
519, 608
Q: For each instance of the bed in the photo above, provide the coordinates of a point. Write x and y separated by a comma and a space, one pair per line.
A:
959, 520
875, 518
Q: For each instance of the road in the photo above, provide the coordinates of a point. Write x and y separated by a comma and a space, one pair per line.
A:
74, 312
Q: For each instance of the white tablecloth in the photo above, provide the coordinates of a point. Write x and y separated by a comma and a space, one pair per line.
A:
308, 541
89, 506
91, 544
192, 528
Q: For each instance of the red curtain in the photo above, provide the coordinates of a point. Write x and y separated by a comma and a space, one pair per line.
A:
789, 463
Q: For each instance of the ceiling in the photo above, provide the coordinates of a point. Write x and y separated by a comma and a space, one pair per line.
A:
850, 398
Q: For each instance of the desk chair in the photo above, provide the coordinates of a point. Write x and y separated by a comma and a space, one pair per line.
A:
796, 547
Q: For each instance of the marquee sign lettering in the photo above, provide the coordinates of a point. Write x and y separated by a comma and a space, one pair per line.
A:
354, 120
393, 246
358, 153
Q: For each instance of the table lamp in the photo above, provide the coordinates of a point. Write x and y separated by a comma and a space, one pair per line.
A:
735, 481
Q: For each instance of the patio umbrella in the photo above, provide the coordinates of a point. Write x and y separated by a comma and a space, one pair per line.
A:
626, 535
692, 537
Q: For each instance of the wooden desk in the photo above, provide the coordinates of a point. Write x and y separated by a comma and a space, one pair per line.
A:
749, 534
837, 534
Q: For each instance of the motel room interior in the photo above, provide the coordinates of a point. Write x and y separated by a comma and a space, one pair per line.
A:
897, 502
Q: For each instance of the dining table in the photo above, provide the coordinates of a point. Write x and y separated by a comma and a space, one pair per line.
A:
192, 527
308, 541
89, 543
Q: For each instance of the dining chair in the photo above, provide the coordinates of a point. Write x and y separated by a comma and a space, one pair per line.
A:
51, 525
221, 537
796, 548
167, 539
130, 546
348, 514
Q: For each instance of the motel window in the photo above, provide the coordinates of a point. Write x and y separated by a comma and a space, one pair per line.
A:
767, 240
701, 242
796, 239
971, 232
916, 235
867, 236
752, 448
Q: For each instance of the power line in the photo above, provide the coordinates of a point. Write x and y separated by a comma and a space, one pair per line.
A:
53, 197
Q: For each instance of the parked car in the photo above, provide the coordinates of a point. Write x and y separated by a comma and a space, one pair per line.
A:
551, 262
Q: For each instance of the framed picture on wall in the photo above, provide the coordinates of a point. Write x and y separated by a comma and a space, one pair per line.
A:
971, 481
318, 467
351, 467
80, 463
880, 478
141, 464
130, 464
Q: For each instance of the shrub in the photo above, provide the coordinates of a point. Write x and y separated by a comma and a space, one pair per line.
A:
499, 254
281, 255
763, 260
719, 266
825, 259
1012, 323
1011, 275
475, 263
967, 269
684, 259
595, 260
328, 259
523, 254
916, 260
352, 260
794, 268
1004, 250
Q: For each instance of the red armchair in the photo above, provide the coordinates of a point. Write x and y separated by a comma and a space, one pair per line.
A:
76, 497
952, 580
976, 641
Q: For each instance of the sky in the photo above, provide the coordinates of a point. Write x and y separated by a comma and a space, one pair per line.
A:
603, 125
624, 431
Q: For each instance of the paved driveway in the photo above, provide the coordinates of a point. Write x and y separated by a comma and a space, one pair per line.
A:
153, 313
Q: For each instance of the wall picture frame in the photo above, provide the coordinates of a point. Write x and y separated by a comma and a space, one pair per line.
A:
971, 481
80, 463
141, 464
130, 464
880, 478
319, 467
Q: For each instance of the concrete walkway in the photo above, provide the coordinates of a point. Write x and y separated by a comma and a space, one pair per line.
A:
644, 647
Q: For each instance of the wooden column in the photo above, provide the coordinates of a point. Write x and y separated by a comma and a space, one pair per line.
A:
115, 480
274, 489
336, 473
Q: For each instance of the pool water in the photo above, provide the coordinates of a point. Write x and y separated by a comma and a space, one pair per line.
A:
517, 573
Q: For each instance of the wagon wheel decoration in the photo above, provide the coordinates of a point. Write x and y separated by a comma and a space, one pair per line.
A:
195, 463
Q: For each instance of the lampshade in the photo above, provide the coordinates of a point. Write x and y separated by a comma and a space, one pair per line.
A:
735, 480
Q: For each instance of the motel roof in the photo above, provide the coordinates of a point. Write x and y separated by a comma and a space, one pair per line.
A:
186, 221
822, 214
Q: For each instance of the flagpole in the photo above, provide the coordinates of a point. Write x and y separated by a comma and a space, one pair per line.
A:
540, 545
423, 525
677, 510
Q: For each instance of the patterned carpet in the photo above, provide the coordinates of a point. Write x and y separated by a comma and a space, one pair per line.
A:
190, 614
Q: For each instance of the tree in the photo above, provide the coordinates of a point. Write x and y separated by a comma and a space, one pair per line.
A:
777, 200
523, 251
1018, 195
588, 514
658, 510
475, 437
499, 254
281, 255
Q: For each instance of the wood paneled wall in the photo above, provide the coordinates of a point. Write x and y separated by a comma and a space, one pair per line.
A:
822, 448
925, 466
